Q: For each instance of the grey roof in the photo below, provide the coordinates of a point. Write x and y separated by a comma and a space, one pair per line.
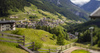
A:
4, 22
96, 13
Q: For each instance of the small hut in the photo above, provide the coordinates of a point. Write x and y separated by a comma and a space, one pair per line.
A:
95, 14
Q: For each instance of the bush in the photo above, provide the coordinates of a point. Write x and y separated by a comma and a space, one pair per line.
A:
18, 32
54, 36
38, 45
33, 16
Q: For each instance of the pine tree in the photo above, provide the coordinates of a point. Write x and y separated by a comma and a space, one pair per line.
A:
60, 38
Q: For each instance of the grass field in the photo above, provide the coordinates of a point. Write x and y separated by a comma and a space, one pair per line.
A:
80, 51
10, 48
31, 35
34, 35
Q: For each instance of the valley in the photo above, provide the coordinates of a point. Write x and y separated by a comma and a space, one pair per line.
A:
51, 24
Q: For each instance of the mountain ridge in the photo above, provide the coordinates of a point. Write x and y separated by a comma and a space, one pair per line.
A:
91, 6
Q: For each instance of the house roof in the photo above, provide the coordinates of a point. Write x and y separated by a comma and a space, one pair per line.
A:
96, 13
5, 22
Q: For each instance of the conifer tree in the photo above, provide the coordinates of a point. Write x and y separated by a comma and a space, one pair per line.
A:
60, 38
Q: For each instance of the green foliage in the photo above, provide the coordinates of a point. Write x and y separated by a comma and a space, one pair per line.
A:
84, 26
37, 45
86, 37
60, 38
80, 51
60, 33
60, 16
54, 36
38, 27
53, 8
5, 48
99, 43
33, 16
14, 5
18, 32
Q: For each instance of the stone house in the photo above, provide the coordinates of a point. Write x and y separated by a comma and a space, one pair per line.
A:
7, 25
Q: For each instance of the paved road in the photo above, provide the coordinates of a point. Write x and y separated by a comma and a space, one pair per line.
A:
75, 48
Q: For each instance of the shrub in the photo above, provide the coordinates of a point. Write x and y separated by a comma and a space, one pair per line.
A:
37, 45
54, 36
18, 32
33, 16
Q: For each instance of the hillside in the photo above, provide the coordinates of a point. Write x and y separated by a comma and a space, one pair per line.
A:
11, 5
84, 32
40, 37
4, 48
63, 8
85, 26
91, 6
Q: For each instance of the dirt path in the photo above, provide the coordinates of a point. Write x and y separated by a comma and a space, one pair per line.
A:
75, 48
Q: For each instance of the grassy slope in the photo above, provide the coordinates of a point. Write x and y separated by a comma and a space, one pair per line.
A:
30, 36
10, 48
80, 51
33, 10
40, 36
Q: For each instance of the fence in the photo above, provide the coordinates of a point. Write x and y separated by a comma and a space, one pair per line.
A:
30, 46
66, 46
5, 37
49, 50
87, 46
57, 50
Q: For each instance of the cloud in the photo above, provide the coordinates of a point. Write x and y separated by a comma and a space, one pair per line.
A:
80, 2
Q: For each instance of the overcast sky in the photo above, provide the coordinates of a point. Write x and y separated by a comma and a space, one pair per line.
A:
80, 2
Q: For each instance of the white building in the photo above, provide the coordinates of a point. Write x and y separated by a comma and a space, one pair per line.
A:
7, 25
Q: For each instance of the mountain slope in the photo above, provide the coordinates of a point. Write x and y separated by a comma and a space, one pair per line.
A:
63, 7
85, 26
91, 6
13, 5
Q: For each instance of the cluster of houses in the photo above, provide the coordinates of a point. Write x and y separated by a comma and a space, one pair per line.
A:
49, 22
41, 22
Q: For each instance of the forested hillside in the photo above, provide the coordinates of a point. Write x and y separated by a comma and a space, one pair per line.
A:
63, 7
86, 25
66, 8
91, 6
13, 5
84, 32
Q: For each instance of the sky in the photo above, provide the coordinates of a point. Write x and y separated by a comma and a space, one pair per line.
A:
80, 2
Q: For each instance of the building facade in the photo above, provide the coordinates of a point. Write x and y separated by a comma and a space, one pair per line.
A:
7, 25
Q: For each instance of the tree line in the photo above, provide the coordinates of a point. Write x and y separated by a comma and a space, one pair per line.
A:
13, 5
58, 33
